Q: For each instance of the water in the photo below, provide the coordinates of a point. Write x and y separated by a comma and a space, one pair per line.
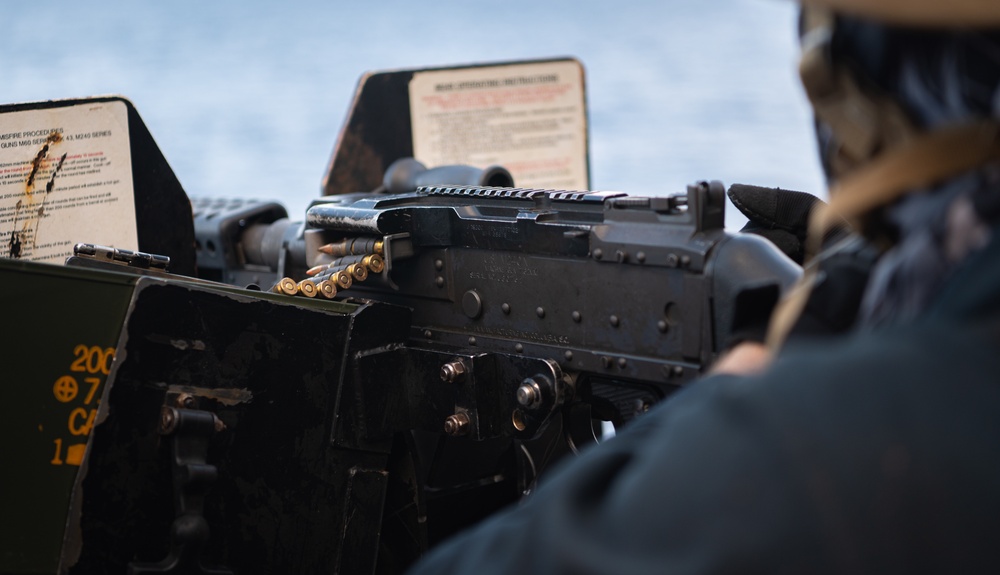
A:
246, 98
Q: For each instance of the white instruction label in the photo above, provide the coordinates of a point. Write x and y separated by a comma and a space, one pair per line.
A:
529, 118
65, 178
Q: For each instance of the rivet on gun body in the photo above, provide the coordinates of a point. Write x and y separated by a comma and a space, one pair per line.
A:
598, 254
672, 260
568, 355
640, 257
615, 321
452, 371
622, 362
677, 371
505, 308
685, 261
439, 281
472, 340
457, 424
577, 316
540, 311
428, 334
518, 347
438, 265
662, 326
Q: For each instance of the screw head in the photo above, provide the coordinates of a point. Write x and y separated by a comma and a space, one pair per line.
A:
168, 420
529, 394
457, 425
452, 371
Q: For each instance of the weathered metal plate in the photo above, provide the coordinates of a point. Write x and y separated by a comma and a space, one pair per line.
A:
272, 371
60, 329
528, 116
162, 210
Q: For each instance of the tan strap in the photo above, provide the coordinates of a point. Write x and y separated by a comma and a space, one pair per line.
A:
919, 163
929, 13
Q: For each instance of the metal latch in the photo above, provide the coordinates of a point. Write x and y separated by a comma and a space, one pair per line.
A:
190, 431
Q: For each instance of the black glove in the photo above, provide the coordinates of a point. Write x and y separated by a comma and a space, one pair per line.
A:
782, 217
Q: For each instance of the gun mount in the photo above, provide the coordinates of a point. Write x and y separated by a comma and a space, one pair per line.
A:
418, 356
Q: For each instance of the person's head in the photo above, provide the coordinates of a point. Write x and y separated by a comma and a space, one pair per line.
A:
906, 95
883, 74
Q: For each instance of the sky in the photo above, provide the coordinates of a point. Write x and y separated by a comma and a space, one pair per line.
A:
245, 99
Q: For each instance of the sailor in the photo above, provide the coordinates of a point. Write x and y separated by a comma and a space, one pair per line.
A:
871, 450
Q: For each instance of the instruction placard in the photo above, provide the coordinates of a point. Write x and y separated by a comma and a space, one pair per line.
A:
65, 178
530, 118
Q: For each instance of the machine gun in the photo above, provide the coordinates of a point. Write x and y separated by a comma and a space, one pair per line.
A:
508, 321
251, 420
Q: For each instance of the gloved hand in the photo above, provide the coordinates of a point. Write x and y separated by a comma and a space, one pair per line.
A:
782, 217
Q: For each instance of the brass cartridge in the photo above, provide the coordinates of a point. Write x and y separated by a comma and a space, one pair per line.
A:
307, 288
285, 286
358, 271
327, 289
374, 263
353, 246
